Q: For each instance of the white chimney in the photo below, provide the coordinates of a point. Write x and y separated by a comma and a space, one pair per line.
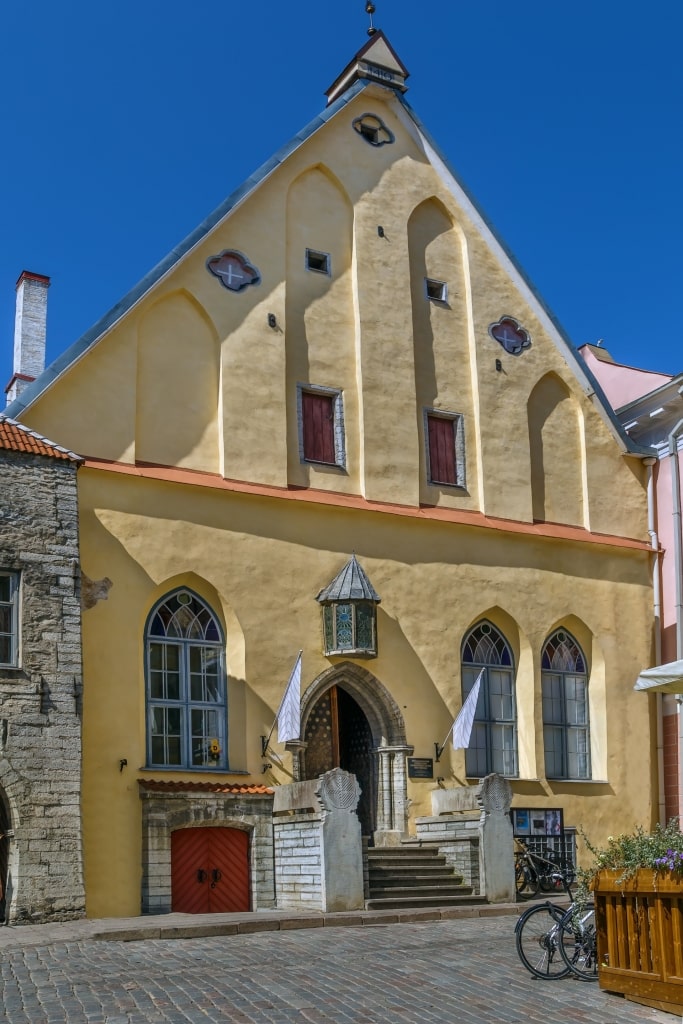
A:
30, 327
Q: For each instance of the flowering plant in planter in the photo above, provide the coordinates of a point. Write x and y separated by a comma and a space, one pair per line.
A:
660, 850
671, 861
637, 883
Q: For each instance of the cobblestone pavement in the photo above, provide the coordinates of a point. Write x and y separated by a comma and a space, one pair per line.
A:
463, 971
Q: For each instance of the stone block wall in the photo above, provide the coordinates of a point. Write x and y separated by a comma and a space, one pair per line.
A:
298, 863
164, 812
40, 728
457, 838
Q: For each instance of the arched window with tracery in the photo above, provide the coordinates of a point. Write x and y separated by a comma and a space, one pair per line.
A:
186, 686
566, 727
493, 743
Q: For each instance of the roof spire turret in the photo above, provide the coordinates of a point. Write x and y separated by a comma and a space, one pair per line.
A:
377, 61
370, 9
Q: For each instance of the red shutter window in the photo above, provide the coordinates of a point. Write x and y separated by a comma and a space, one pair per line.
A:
318, 427
442, 468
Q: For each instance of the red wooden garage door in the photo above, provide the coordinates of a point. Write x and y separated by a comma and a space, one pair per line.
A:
209, 870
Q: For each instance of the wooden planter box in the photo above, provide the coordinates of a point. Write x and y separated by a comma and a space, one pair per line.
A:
640, 937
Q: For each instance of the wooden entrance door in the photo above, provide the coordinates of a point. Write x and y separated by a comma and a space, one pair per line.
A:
209, 870
338, 735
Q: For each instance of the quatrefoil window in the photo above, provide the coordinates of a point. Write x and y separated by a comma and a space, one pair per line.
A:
233, 270
373, 130
509, 333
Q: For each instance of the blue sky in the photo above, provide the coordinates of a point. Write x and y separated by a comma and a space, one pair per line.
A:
125, 124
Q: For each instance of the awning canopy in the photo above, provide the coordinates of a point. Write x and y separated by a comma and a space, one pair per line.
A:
662, 678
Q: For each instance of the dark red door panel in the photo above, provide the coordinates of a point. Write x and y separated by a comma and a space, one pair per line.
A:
190, 871
229, 870
210, 871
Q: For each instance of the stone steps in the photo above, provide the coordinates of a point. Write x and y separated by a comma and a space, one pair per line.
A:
405, 877
421, 902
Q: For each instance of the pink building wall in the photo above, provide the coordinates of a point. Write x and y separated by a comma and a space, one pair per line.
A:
622, 386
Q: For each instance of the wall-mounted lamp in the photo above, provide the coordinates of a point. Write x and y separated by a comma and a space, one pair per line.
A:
272, 320
122, 763
380, 231
499, 366
265, 767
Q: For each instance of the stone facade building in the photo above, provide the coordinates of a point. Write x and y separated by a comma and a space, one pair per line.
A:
40, 680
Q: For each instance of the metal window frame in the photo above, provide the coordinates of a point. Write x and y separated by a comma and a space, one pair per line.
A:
489, 722
14, 601
185, 703
566, 727
441, 299
326, 256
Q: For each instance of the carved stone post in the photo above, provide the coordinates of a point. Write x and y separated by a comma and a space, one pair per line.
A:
297, 749
341, 852
496, 846
392, 803
384, 802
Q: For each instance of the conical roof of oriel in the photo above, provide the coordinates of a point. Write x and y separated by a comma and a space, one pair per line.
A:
351, 584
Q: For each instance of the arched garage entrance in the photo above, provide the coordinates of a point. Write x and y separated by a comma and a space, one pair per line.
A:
350, 720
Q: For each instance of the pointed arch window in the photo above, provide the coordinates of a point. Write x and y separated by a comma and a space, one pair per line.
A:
566, 727
186, 686
493, 744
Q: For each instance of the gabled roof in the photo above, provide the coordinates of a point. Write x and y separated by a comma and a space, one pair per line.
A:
15, 437
351, 584
557, 334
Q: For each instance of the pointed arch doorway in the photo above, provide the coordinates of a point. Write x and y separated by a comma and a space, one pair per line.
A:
338, 735
350, 720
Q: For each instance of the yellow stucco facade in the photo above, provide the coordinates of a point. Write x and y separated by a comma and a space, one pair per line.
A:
188, 412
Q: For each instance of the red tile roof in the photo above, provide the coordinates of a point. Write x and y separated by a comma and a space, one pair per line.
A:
239, 789
15, 437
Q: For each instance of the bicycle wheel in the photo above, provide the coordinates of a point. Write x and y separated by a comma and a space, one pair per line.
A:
526, 880
539, 937
581, 954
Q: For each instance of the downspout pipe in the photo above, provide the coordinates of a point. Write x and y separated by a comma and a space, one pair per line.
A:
650, 463
678, 569
678, 536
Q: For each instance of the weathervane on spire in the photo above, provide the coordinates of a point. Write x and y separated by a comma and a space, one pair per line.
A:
370, 9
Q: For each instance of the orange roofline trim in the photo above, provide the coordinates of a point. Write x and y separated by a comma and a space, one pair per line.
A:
311, 496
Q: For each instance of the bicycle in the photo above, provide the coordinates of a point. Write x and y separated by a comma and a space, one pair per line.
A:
533, 871
553, 942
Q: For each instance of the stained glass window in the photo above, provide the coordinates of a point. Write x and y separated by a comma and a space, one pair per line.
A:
349, 628
566, 727
493, 743
186, 688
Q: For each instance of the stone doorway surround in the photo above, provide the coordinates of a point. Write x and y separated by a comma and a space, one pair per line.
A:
167, 806
389, 743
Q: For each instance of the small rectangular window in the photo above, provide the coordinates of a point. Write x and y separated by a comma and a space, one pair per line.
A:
321, 425
445, 449
9, 618
320, 262
437, 291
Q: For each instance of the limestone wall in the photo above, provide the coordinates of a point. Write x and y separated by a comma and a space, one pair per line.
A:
40, 729
457, 839
298, 865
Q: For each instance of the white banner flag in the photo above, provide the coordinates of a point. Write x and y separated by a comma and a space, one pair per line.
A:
289, 714
462, 727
